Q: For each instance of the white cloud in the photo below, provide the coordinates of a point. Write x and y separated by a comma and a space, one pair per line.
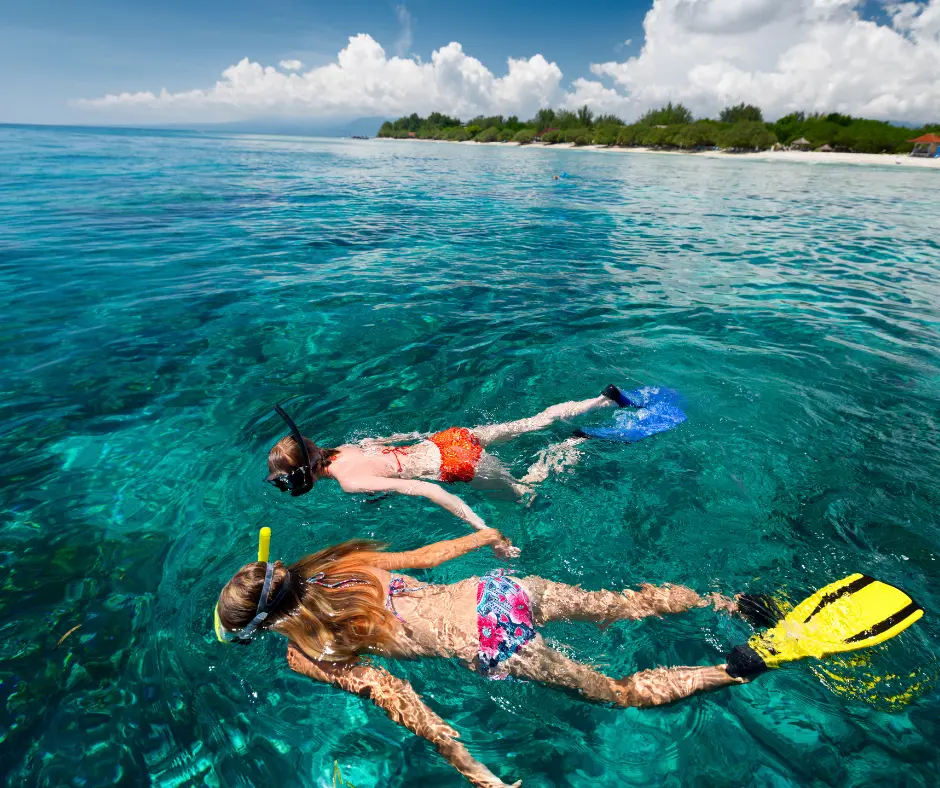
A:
362, 81
783, 55
405, 38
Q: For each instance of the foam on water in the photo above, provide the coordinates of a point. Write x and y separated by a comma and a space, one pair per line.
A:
161, 290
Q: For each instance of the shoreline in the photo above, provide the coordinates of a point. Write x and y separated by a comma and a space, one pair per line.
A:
801, 157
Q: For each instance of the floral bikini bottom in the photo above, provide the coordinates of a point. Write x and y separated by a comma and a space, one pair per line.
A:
504, 620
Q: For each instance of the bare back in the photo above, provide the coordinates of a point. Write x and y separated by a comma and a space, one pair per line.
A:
355, 465
434, 620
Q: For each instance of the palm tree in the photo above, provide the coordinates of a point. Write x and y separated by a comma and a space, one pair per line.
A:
585, 117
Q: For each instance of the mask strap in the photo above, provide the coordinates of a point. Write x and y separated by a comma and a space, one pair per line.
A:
295, 432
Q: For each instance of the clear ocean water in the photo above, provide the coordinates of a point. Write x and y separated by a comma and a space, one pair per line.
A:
160, 291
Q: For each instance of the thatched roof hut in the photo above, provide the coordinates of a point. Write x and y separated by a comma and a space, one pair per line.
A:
801, 144
827, 148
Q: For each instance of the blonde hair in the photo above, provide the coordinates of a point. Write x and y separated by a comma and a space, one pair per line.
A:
334, 619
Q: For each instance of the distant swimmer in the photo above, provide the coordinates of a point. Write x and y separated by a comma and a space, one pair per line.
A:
457, 454
346, 603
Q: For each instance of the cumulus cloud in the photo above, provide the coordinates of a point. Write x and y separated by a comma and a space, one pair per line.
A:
405, 37
784, 56
362, 81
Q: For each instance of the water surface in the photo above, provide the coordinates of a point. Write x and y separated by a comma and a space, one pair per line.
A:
160, 291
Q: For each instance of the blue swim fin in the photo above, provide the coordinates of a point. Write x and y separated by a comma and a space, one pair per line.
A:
658, 411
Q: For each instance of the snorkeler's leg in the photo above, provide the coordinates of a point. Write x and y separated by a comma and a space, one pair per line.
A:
553, 601
554, 458
496, 433
492, 475
538, 661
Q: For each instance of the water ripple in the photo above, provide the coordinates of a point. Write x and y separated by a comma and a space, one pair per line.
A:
161, 290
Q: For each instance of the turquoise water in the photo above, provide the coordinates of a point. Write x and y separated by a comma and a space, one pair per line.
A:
160, 291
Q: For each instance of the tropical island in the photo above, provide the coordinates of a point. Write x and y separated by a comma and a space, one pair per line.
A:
739, 128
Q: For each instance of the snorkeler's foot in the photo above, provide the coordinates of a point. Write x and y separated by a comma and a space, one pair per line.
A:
722, 603
615, 395
759, 610
745, 663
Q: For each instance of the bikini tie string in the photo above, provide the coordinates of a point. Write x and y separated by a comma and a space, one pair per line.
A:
397, 452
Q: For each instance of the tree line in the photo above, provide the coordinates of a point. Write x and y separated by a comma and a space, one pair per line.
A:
737, 128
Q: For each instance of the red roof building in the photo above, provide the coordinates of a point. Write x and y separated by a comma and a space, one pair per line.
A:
927, 146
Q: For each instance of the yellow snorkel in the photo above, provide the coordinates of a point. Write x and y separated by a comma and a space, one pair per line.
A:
264, 550
264, 544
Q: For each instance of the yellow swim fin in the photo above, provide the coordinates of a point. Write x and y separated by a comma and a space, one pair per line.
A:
854, 613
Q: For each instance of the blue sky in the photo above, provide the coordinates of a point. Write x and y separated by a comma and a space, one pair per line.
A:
871, 57
56, 50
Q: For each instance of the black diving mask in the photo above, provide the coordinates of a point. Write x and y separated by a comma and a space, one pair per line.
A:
298, 480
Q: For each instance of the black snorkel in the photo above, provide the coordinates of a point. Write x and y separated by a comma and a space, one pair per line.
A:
298, 480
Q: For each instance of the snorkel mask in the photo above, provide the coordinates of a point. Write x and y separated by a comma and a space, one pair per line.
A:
244, 634
298, 480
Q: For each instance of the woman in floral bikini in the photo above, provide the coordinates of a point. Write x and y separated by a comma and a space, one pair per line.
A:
344, 603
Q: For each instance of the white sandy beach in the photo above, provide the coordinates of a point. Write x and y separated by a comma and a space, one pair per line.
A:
802, 157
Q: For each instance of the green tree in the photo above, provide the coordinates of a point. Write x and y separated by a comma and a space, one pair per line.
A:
741, 112
655, 136
585, 117
544, 119
701, 134
386, 129
608, 120
790, 127
505, 135
524, 136
487, 135
553, 137
564, 120
628, 136
429, 132
443, 121
606, 135
747, 135
670, 115
581, 136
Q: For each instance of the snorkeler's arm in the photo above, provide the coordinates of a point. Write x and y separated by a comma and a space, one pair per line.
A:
402, 704
432, 492
439, 552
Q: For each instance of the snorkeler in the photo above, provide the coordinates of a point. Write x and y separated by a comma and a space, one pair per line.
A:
344, 602
457, 454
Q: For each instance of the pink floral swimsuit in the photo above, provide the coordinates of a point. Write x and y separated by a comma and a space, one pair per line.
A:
504, 617
504, 620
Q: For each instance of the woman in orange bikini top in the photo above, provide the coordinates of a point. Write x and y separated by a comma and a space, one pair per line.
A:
458, 454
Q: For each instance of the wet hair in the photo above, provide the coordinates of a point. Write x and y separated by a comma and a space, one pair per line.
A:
285, 455
333, 624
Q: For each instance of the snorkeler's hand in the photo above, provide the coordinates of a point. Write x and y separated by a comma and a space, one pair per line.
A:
502, 547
